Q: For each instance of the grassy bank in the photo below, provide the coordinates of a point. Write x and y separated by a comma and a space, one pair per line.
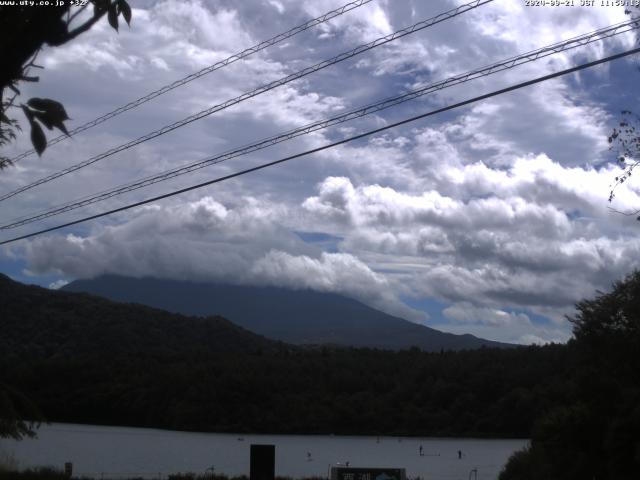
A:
47, 473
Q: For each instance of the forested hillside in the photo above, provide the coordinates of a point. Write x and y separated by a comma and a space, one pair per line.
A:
42, 324
85, 359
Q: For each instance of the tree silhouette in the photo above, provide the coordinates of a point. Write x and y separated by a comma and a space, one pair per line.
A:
624, 139
25, 30
15, 407
595, 433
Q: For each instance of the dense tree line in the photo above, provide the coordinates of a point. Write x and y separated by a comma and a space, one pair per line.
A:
595, 433
483, 393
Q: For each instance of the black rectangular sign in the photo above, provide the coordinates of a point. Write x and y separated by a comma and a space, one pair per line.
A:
262, 462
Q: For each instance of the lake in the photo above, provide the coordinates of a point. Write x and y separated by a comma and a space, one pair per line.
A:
122, 451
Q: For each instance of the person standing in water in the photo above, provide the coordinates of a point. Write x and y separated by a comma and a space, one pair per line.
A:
459, 454
421, 451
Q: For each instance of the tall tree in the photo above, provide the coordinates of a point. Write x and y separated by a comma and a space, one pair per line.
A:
596, 433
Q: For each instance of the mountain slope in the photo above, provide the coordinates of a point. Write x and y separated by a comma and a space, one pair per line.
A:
55, 324
293, 316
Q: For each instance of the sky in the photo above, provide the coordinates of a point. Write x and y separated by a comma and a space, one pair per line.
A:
490, 219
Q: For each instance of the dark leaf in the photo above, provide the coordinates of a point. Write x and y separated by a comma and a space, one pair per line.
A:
112, 16
44, 118
50, 106
49, 112
4, 119
125, 9
37, 137
50, 121
60, 126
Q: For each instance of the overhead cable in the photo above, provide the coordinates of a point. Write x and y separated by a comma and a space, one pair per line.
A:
502, 65
264, 88
205, 71
331, 145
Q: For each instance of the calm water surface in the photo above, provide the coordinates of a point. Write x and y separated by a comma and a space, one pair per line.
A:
122, 451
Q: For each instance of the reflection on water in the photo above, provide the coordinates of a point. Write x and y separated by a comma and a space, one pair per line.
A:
122, 451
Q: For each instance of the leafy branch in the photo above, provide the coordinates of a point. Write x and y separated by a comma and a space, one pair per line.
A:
27, 30
625, 141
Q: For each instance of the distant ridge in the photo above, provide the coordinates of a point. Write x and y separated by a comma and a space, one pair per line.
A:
293, 316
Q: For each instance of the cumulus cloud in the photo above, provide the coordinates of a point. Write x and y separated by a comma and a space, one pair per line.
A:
370, 23
332, 272
207, 241
515, 244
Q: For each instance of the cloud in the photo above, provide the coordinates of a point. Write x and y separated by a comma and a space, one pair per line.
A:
58, 284
512, 242
332, 272
466, 313
207, 241
367, 24
511, 327
518, 334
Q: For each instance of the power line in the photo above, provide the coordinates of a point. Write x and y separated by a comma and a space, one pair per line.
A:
262, 89
502, 65
334, 144
205, 71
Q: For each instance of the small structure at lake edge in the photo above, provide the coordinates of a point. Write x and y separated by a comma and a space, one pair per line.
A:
348, 473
